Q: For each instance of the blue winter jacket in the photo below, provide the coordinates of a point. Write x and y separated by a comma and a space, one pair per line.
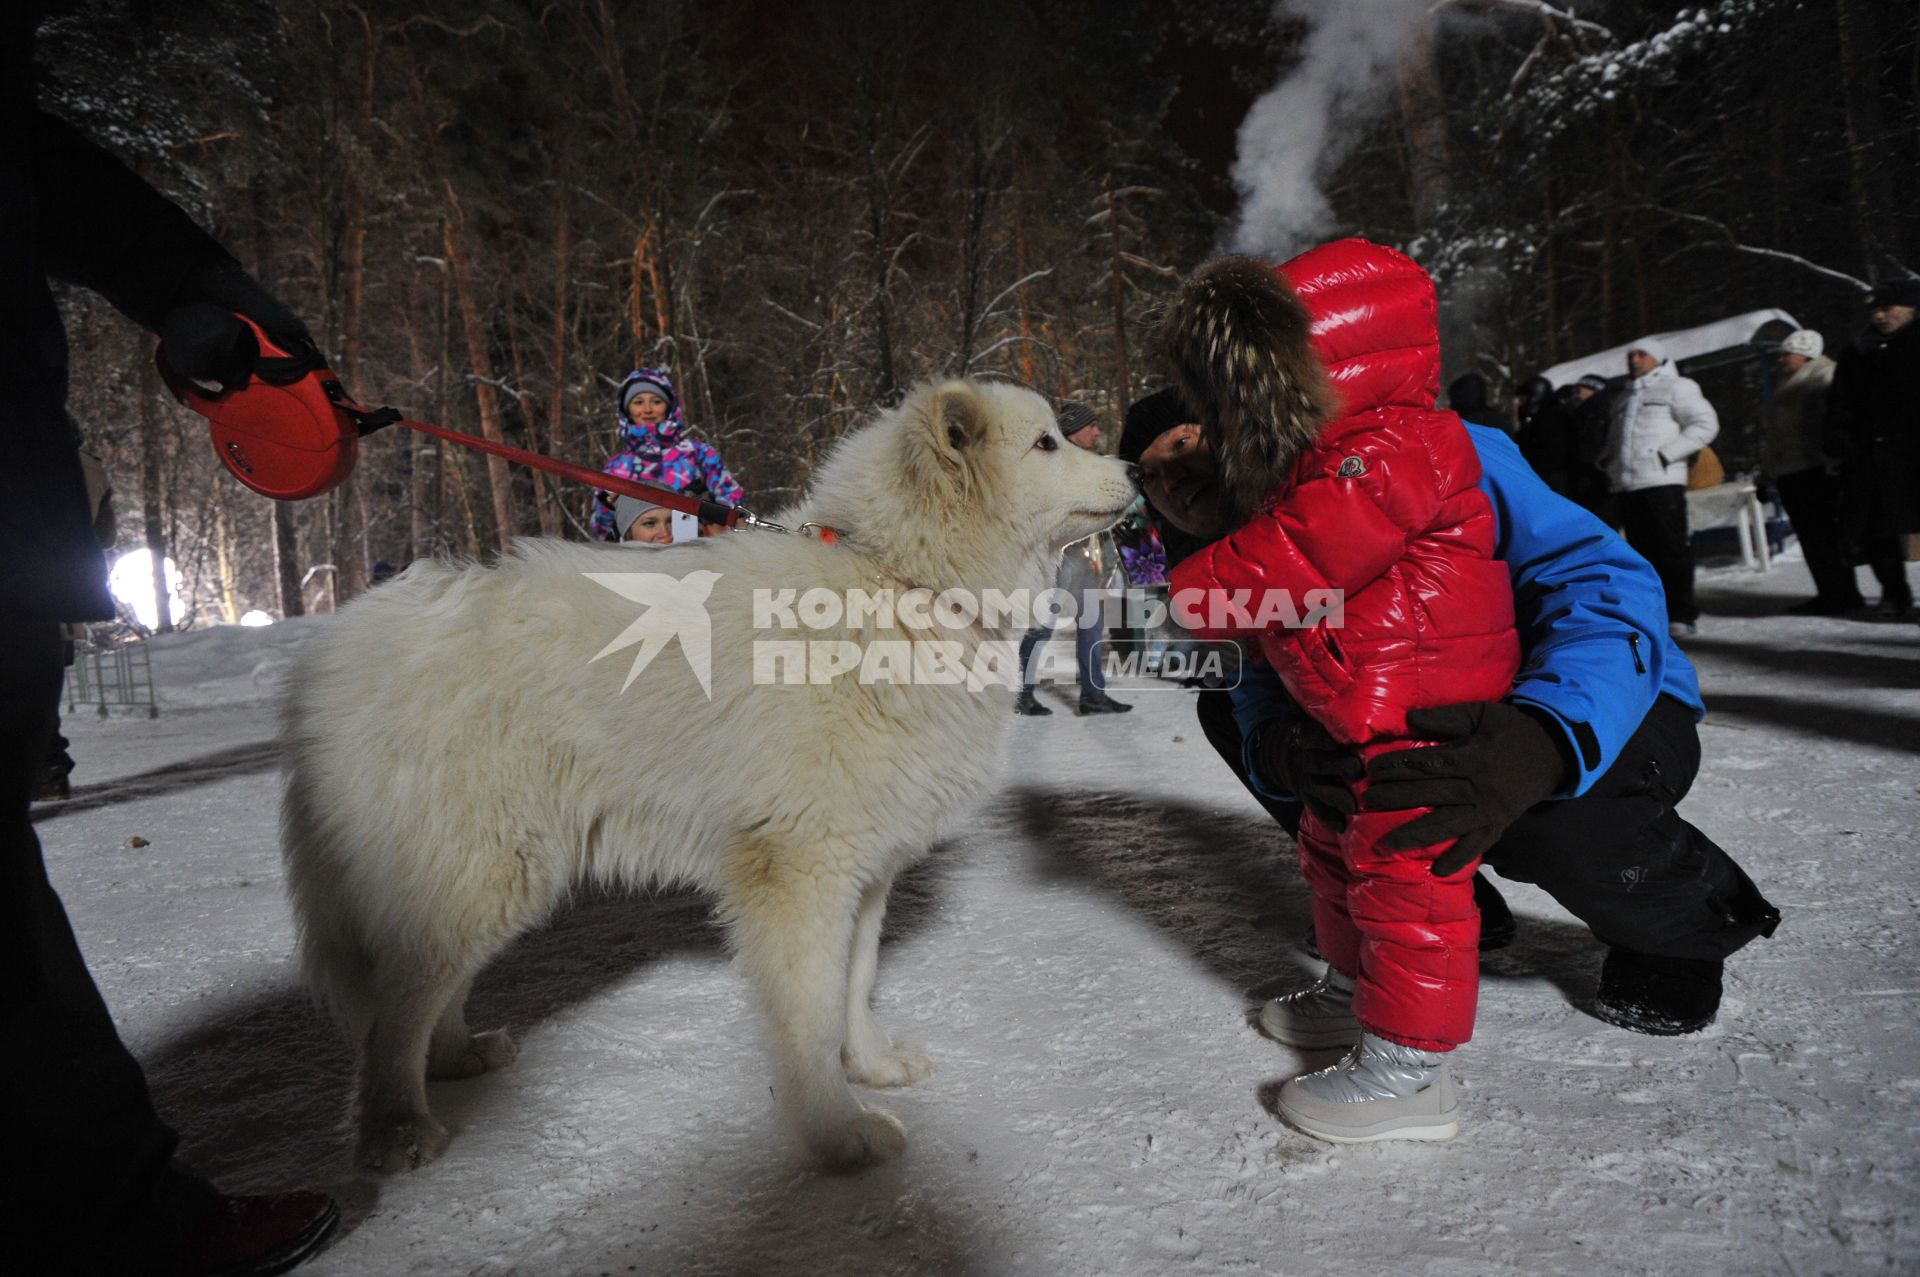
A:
1591, 614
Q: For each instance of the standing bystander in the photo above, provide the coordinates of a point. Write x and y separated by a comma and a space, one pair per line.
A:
1873, 421
1658, 423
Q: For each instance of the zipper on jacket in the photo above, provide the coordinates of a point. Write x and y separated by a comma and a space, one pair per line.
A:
1639, 666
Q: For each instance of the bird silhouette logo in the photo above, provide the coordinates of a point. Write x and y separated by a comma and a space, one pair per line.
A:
676, 607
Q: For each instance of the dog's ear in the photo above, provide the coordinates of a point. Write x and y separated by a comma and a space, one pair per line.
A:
960, 414
946, 423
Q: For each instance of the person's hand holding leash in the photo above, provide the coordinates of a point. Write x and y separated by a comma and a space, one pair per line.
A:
202, 338
1496, 760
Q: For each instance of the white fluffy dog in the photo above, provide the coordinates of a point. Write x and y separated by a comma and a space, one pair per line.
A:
461, 757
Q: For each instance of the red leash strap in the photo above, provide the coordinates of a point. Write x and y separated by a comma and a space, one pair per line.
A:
731, 516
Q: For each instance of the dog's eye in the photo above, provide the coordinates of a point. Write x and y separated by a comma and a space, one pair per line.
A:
1047, 443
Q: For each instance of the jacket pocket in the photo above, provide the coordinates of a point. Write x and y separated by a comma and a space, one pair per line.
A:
1325, 658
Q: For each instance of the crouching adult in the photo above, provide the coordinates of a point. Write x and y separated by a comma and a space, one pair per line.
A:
1570, 782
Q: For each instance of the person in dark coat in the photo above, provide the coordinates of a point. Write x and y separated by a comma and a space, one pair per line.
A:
98, 1192
1873, 425
1588, 404
1467, 396
1546, 432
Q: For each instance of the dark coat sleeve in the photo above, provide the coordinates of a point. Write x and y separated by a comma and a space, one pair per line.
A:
100, 226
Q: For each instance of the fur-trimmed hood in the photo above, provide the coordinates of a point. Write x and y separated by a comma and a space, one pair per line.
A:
1269, 355
1239, 345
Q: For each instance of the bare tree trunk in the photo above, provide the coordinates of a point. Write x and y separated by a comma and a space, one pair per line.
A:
499, 477
1550, 261
152, 508
879, 223
1117, 298
456, 472
420, 453
1429, 187
222, 555
1027, 372
352, 551
286, 540
973, 248
551, 524
1423, 115
1873, 199
286, 561
1609, 227
1777, 180
1642, 317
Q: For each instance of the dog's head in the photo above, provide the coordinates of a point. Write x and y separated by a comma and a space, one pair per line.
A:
969, 482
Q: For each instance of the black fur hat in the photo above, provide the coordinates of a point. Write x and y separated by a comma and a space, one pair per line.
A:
1238, 345
1148, 419
1895, 292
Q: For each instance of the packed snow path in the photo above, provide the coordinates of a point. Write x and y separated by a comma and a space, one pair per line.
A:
1078, 961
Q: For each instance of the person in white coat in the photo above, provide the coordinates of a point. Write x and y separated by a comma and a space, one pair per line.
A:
1660, 421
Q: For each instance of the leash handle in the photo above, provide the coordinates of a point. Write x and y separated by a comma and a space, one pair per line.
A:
284, 438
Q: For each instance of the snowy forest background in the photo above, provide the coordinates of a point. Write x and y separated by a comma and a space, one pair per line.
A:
489, 210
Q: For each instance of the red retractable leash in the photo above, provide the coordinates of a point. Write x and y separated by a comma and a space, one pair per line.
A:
300, 438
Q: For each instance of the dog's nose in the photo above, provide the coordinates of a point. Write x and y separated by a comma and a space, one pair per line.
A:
1137, 477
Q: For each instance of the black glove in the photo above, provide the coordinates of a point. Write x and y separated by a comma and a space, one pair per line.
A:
202, 340
1300, 758
1498, 760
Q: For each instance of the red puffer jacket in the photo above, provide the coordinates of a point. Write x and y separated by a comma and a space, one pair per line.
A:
1383, 505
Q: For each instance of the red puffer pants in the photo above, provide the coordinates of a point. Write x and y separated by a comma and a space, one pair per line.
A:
1411, 941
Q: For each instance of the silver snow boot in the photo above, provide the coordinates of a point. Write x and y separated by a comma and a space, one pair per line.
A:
1318, 1016
1380, 1091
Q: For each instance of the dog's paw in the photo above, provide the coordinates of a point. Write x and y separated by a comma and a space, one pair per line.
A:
404, 1144
483, 1053
901, 1064
873, 1137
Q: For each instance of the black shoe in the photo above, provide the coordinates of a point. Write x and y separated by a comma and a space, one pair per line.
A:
52, 783
256, 1236
1894, 608
1659, 996
1025, 704
1496, 920
1820, 606
1101, 703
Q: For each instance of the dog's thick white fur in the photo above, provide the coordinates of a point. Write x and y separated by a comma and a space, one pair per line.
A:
460, 759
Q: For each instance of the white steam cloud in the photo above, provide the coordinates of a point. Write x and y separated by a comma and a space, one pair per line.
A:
1301, 129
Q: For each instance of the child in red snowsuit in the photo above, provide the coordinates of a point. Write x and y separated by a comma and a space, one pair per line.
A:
1315, 387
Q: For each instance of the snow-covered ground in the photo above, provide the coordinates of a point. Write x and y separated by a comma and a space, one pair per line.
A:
1078, 961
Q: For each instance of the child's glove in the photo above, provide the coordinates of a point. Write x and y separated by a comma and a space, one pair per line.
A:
1299, 758
1498, 759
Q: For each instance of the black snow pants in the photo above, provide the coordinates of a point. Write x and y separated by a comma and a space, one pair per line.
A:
95, 1191
1655, 523
1620, 858
1812, 499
